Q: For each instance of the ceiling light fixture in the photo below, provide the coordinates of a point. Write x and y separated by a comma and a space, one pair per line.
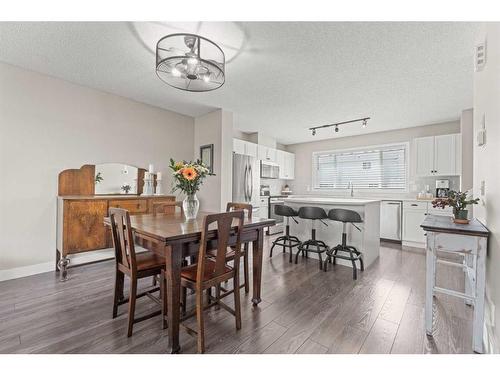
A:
190, 62
336, 125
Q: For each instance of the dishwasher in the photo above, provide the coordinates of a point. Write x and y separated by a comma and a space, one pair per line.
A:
390, 220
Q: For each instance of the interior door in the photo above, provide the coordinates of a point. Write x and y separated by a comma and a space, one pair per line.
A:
424, 156
445, 155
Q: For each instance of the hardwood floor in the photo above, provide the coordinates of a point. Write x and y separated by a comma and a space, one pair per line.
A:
304, 310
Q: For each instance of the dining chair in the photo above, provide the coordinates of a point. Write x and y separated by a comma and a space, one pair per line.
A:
247, 209
210, 271
164, 207
134, 265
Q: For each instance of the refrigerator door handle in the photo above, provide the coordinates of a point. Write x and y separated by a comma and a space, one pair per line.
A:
245, 183
250, 184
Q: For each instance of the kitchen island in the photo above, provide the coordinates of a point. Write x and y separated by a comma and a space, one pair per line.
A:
367, 240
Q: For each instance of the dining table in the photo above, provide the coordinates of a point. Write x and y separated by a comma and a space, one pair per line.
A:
176, 239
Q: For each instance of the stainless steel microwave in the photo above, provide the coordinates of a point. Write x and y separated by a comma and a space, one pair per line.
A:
269, 170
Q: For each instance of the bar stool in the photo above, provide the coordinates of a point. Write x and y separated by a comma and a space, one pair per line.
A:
351, 217
287, 212
319, 247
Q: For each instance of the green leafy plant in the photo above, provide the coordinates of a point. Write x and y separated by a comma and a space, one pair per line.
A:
456, 199
188, 176
98, 178
126, 188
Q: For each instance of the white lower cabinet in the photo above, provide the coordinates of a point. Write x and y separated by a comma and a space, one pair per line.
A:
414, 213
412, 219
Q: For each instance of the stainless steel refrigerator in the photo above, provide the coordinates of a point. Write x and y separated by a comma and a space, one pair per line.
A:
246, 181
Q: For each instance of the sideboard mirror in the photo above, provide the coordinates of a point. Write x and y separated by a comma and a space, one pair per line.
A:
115, 178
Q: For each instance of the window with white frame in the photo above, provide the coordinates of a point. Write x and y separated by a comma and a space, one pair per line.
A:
381, 168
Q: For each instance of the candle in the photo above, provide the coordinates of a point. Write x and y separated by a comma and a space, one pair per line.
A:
158, 176
151, 168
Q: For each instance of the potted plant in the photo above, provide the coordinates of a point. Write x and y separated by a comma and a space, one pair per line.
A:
459, 201
126, 188
188, 177
98, 178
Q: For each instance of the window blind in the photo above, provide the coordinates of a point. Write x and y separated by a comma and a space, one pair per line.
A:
377, 167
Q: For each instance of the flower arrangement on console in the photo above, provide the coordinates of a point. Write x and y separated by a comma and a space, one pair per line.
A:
459, 201
188, 178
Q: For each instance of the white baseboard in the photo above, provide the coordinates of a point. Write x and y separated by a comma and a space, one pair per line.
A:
15, 273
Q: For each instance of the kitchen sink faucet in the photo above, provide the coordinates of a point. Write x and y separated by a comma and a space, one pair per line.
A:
351, 186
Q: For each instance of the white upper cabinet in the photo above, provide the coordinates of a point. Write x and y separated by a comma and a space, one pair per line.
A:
238, 146
444, 155
244, 147
289, 166
424, 156
286, 162
267, 153
251, 149
438, 156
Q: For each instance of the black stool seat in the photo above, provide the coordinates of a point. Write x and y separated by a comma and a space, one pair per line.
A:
312, 245
345, 217
286, 241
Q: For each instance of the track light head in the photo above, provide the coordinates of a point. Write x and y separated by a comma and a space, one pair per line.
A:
364, 123
336, 128
314, 132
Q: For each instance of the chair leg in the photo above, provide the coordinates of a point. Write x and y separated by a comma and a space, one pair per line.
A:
131, 305
354, 270
183, 302
118, 294
271, 252
164, 308
245, 270
237, 305
199, 319
217, 292
291, 251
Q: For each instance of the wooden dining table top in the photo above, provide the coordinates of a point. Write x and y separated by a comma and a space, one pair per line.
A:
165, 227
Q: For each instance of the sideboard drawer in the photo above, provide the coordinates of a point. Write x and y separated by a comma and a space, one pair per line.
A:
414, 205
134, 206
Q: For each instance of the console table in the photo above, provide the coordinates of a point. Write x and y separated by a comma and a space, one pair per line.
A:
471, 242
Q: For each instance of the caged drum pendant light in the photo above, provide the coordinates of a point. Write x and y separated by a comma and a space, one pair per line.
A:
190, 62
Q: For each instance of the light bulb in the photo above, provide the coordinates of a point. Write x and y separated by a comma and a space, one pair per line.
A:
175, 72
192, 61
206, 77
364, 124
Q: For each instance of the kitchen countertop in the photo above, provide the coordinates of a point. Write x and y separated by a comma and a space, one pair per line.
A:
334, 200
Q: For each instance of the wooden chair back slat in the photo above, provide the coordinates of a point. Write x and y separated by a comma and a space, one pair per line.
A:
234, 206
226, 222
161, 207
123, 238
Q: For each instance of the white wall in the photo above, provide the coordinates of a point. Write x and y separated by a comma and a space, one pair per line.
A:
47, 125
216, 128
303, 151
467, 131
486, 158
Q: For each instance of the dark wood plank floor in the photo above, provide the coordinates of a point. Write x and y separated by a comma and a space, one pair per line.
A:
304, 310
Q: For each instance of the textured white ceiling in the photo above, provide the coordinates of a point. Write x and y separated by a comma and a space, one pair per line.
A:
283, 77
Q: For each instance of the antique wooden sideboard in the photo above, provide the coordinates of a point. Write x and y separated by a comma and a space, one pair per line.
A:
80, 213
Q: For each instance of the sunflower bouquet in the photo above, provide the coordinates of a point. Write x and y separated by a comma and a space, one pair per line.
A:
188, 176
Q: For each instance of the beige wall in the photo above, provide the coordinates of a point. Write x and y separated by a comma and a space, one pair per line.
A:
216, 128
47, 125
303, 151
486, 159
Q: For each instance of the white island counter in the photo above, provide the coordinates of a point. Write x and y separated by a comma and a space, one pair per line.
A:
367, 241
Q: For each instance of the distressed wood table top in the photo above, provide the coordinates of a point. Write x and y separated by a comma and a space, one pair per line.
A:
445, 224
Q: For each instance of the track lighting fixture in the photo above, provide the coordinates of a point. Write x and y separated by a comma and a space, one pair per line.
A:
336, 125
